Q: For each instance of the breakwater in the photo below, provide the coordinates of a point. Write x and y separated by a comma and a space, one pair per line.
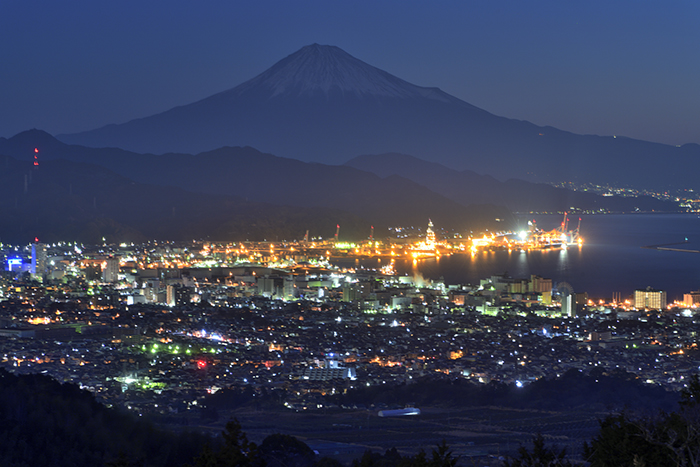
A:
669, 247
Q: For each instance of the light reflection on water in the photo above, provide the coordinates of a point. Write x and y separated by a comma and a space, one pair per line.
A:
611, 259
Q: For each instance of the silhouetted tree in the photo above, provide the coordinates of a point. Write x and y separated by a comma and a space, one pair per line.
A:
540, 456
620, 442
286, 451
442, 456
327, 462
123, 461
690, 395
236, 450
671, 439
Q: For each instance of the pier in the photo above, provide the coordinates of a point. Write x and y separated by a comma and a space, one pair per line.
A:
667, 247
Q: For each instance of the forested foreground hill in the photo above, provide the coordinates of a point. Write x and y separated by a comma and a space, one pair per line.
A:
45, 423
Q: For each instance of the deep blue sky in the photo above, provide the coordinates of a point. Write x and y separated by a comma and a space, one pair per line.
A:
625, 67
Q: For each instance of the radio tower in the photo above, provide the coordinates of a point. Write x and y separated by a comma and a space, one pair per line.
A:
36, 157
371, 234
337, 231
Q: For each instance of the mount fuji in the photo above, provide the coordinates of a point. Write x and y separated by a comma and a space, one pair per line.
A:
322, 104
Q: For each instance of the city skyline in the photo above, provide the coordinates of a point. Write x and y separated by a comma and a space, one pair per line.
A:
623, 69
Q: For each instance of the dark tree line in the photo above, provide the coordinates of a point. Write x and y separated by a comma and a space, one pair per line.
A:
234, 450
440, 456
667, 439
664, 439
540, 456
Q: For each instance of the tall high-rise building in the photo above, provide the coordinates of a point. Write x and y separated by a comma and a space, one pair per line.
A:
178, 295
649, 299
568, 299
170, 295
581, 301
110, 270
39, 261
350, 292
266, 286
289, 287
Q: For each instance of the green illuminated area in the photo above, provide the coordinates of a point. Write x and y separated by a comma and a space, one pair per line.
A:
145, 384
174, 348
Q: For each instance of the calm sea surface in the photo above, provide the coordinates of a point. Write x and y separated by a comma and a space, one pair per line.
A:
611, 260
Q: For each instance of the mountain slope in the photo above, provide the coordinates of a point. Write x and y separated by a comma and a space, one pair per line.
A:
63, 201
383, 191
302, 107
292, 185
467, 186
321, 104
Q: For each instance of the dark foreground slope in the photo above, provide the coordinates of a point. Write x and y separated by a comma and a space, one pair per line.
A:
48, 424
45, 423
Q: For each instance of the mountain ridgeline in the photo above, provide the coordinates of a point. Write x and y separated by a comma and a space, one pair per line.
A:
322, 104
228, 194
238, 193
73, 201
466, 186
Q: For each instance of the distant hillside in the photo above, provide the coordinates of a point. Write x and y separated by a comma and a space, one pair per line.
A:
64, 200
384, 190
322, 104
253, 176
517, 195
597, 391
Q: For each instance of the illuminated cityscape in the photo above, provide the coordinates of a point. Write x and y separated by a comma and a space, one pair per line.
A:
157, 327
334, 234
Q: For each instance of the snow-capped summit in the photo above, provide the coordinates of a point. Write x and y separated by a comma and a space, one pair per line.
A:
319, 103
329, 69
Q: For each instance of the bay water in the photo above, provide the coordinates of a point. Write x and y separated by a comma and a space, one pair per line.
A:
612, 258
